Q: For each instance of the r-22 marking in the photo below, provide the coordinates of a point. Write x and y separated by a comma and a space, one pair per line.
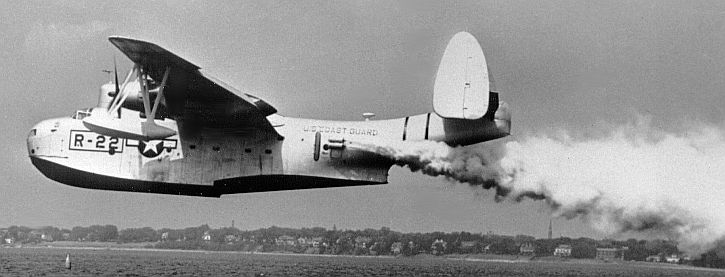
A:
90, 141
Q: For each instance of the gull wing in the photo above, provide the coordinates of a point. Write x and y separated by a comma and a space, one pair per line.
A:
195, 97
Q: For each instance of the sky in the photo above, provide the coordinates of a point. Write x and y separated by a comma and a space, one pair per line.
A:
577, 66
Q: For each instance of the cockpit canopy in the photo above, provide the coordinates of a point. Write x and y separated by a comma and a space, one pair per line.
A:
81, 114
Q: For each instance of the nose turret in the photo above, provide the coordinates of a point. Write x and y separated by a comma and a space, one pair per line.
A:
44, 138
31, 140
36, 137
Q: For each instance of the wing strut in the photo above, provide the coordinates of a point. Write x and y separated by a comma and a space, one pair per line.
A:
160, 94
108, 124
150, 128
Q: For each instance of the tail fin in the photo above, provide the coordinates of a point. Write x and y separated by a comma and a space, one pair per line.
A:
463, 84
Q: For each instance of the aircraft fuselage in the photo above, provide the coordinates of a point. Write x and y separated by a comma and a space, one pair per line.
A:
210, 162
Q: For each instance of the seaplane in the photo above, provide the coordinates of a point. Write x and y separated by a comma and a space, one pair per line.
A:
172, 128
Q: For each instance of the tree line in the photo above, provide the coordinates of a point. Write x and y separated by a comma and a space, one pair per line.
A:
382, 241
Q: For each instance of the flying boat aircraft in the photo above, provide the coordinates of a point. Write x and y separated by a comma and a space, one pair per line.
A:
172, 128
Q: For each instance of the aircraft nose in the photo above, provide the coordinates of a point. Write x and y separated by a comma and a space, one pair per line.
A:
41, 137
32, 141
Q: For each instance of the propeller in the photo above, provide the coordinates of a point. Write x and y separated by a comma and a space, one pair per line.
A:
115, 77
115, 81
115, 104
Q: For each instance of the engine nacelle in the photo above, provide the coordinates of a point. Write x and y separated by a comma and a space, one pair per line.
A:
105, 96
134, 98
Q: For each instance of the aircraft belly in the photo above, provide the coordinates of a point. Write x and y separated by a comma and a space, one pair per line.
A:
56, 170
275, 182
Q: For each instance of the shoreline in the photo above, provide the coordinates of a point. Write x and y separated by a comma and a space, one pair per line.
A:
141, 249
454, 257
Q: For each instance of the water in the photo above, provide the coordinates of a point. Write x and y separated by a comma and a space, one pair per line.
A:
108, 262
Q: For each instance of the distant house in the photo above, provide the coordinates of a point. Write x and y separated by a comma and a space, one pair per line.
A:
396, 248
527, 249
673, 259
9, 240
35, 234
317, 241
46, 237
304, 241
468, 244
285, 240
362, 242
164, 236
375, 248
654, 259
563, 250
609, 254
231, 238
206, 236
412, 246
438, 247
487, 249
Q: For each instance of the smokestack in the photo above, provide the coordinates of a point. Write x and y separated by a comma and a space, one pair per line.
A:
550, 229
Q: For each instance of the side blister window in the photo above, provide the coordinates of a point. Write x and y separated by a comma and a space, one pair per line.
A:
317, 146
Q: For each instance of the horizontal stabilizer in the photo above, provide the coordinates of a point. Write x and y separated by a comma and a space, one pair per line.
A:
461, 88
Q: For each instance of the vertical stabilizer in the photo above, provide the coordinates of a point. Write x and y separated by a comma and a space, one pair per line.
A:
461, 88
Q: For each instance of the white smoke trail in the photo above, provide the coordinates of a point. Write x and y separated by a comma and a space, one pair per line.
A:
634, 179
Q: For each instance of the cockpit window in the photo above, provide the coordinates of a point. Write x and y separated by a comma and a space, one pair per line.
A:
81, 114
33, 132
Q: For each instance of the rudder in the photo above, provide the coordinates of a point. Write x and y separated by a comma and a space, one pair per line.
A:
462, 84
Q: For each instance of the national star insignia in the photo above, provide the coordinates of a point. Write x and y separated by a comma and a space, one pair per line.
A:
152, 146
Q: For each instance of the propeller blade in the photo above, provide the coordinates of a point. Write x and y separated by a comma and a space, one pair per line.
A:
119, 99
115, 75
